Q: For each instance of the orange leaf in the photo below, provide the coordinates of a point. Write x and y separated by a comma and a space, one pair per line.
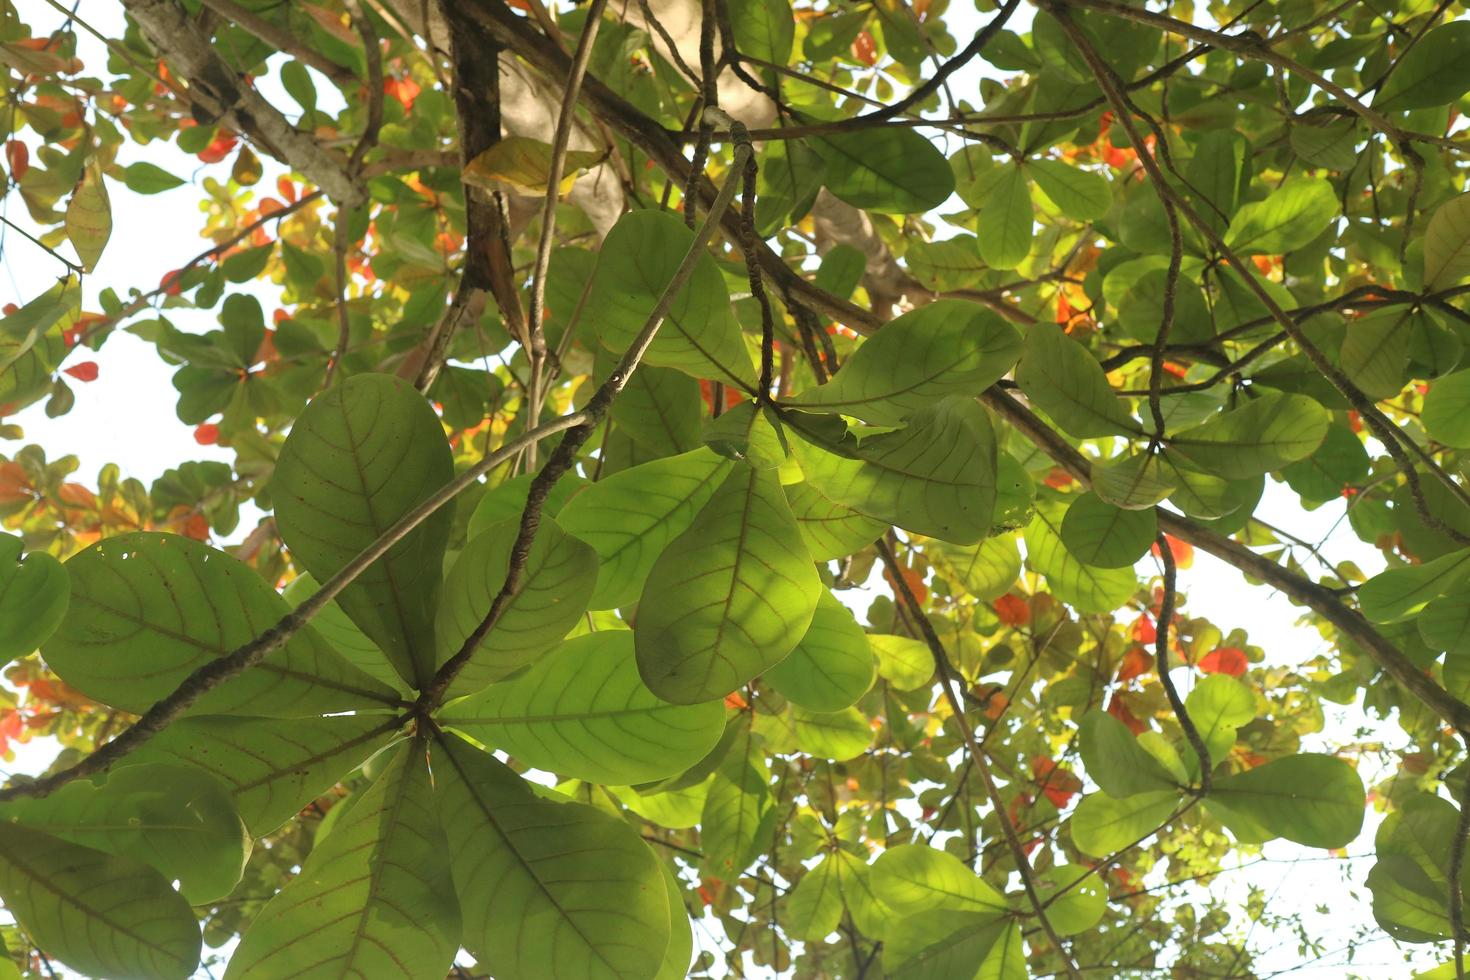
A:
1225, 660
1013, 610
83, 371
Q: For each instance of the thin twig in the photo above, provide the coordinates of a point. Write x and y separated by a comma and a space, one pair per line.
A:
1161, 631
1457, 894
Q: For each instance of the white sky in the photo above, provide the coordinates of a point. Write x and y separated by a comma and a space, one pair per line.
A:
127, 416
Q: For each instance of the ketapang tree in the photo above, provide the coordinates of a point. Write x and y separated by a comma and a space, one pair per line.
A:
702, 487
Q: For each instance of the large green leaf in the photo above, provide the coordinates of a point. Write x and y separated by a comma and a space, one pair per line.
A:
1399, 592
272, 767
814, 907
547, 889
1102, 535
1135, 481
681, 932
582, 711
555, 584
950, 347
1067, 383
630, 517
1375, 352
904, 662
1260, 436
1434, 72
830, 530
1444, 623
986, 570
342, 634
1410, 882
936, 476
372, 900
886, 170
178, 820
1316, 800
729, 597
33, 597
832, 666
1115, 760
1004, 226
1290, 217
1089, 589
764, 29
1075, 898
1447, 243
940, 944
1446, 412
699, 336
913, 878
362, 455
148, 609
737, 805
101, 914
1102, 824
1077, 193
659, 408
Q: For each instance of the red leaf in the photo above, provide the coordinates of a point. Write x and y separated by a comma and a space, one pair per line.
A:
1144, 630
207, 434
864, 49
1225, 660
1136, 662
405, 90
1013, 610
83, 371
219, 148
1120, 711
19, 158
1182, 551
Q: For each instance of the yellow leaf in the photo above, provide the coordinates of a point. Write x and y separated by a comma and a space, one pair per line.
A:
524, 165
89, 217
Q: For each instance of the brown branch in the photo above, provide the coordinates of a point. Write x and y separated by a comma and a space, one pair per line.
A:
977, 755
1457, 894
1166, 620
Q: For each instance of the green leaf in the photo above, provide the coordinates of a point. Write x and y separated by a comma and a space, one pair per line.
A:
1260, 436
272, 767
1102, 824
681, 932
814, 907
551, 595
835, 735
986, 570
953, 263
363, 454
1115, 760
177, 820
949, 347
886, 171
146, 178
1004, 226
1219, 705
148, 609
729, 597
764, 29
737, 804
89, 216
904, 662
100, 914
1134, 481
832, 667
342, 634
1104, 536
1094, 590
1316, 800
830, 530
912, 878
34, 592
1446, 412
1341, 462
940, 944
700, 335
1375, 352
1434, 72
1447, 243
1077, 193
935, 477
546, 889
749, 433
374, 899
507, 501
582, 711
659, 409
1290, 217
791, 174
1400, 592
1444, 623
1076, 897
1066, 382
630, 517
1410, 881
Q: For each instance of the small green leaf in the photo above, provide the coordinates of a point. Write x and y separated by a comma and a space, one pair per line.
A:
1075, 896
911, 878
949, 347
830, 530
100, 914
835, 735
738, 803
374, 899
832, 667
1095, 590
1102, 824
1218, 706
1375, 352
904, 662
582, 711
1105, 536
1290, 217
1133, 481
1004, 226
1077, 193
941, 944
728, 598
1400, 592
814, 907
1447, 243
986, 570
764, 29
630, 517
362, 455
886, 171
34, 592
1061, 378
1316, 800
1115, 760
556, 581
147, 178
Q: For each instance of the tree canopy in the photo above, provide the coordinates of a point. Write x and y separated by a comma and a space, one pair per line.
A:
700, 488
